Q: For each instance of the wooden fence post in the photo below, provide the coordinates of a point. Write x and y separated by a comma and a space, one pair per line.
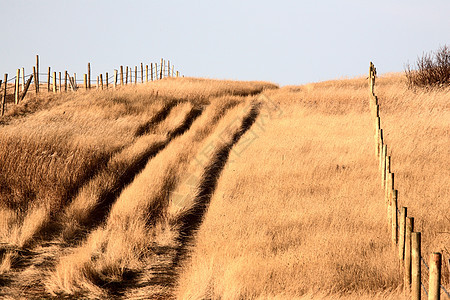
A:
85, 82
126, 76
22, 71
142, 73
146, 73
135, 75
434, 292
48, 80
115, 79
26, 87
60, 83
106, 80
89, 75
54, 82
168, 68
156, 71
394, 217
74, 79
66, 75
16, 89
409, 230
151, 71
161, 69
415, 266
383, 166
36, 78
402, 231
178, 74
36, 84
101, 81
121, 75
5, 83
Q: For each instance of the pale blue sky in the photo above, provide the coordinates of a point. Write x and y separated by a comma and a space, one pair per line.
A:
286, 42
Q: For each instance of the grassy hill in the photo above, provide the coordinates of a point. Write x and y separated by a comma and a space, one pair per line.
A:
192, 188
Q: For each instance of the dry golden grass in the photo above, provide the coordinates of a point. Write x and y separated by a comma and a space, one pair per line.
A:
203, 189
300, 213
66, 162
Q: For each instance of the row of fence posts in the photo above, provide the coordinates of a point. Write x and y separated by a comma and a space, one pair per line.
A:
401, 226
55, 83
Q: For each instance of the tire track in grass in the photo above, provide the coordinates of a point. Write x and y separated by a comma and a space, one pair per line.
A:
108, 263
158, 280
82, 216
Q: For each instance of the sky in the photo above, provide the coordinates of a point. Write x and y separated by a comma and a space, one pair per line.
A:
285, 42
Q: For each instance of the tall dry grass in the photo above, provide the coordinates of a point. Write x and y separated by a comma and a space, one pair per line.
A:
300, 213
67, 159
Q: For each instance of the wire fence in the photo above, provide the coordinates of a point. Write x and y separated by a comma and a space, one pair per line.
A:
404, 238
15, 88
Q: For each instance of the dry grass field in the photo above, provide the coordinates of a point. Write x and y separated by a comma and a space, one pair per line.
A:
204, 189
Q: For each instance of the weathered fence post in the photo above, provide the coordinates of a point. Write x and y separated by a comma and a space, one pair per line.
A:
66, 75
101, 81
394, 217
402, 231
26, 87
415, 266
126, 76
89, 75
409, 230
168, 68
142, 73
60, 82
178, 74
151, 71
16, 88
85, 82
106, 80
48, 80
121, 75
135, 75
54, 82
5, 83
36, 84
115, 79
434, 292
161, 69
36, 78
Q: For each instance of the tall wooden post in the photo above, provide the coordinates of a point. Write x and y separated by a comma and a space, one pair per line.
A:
27, 85
60, 83
409, 230
401, 236
101, 81
16, 89
48, 80
115, 79
36, 78
85, 82
168, 68
66, 76
121, 75
5, 83
106, 80
151, 71
415, 266
142, 73
394, 221
54, 82
135, 75
36, 82
161, 69
434, 292
89, 75
126, 76
178, 74
75, 87
146, 73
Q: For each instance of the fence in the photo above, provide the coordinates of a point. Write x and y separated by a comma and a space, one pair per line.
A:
20, 84
404, 237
